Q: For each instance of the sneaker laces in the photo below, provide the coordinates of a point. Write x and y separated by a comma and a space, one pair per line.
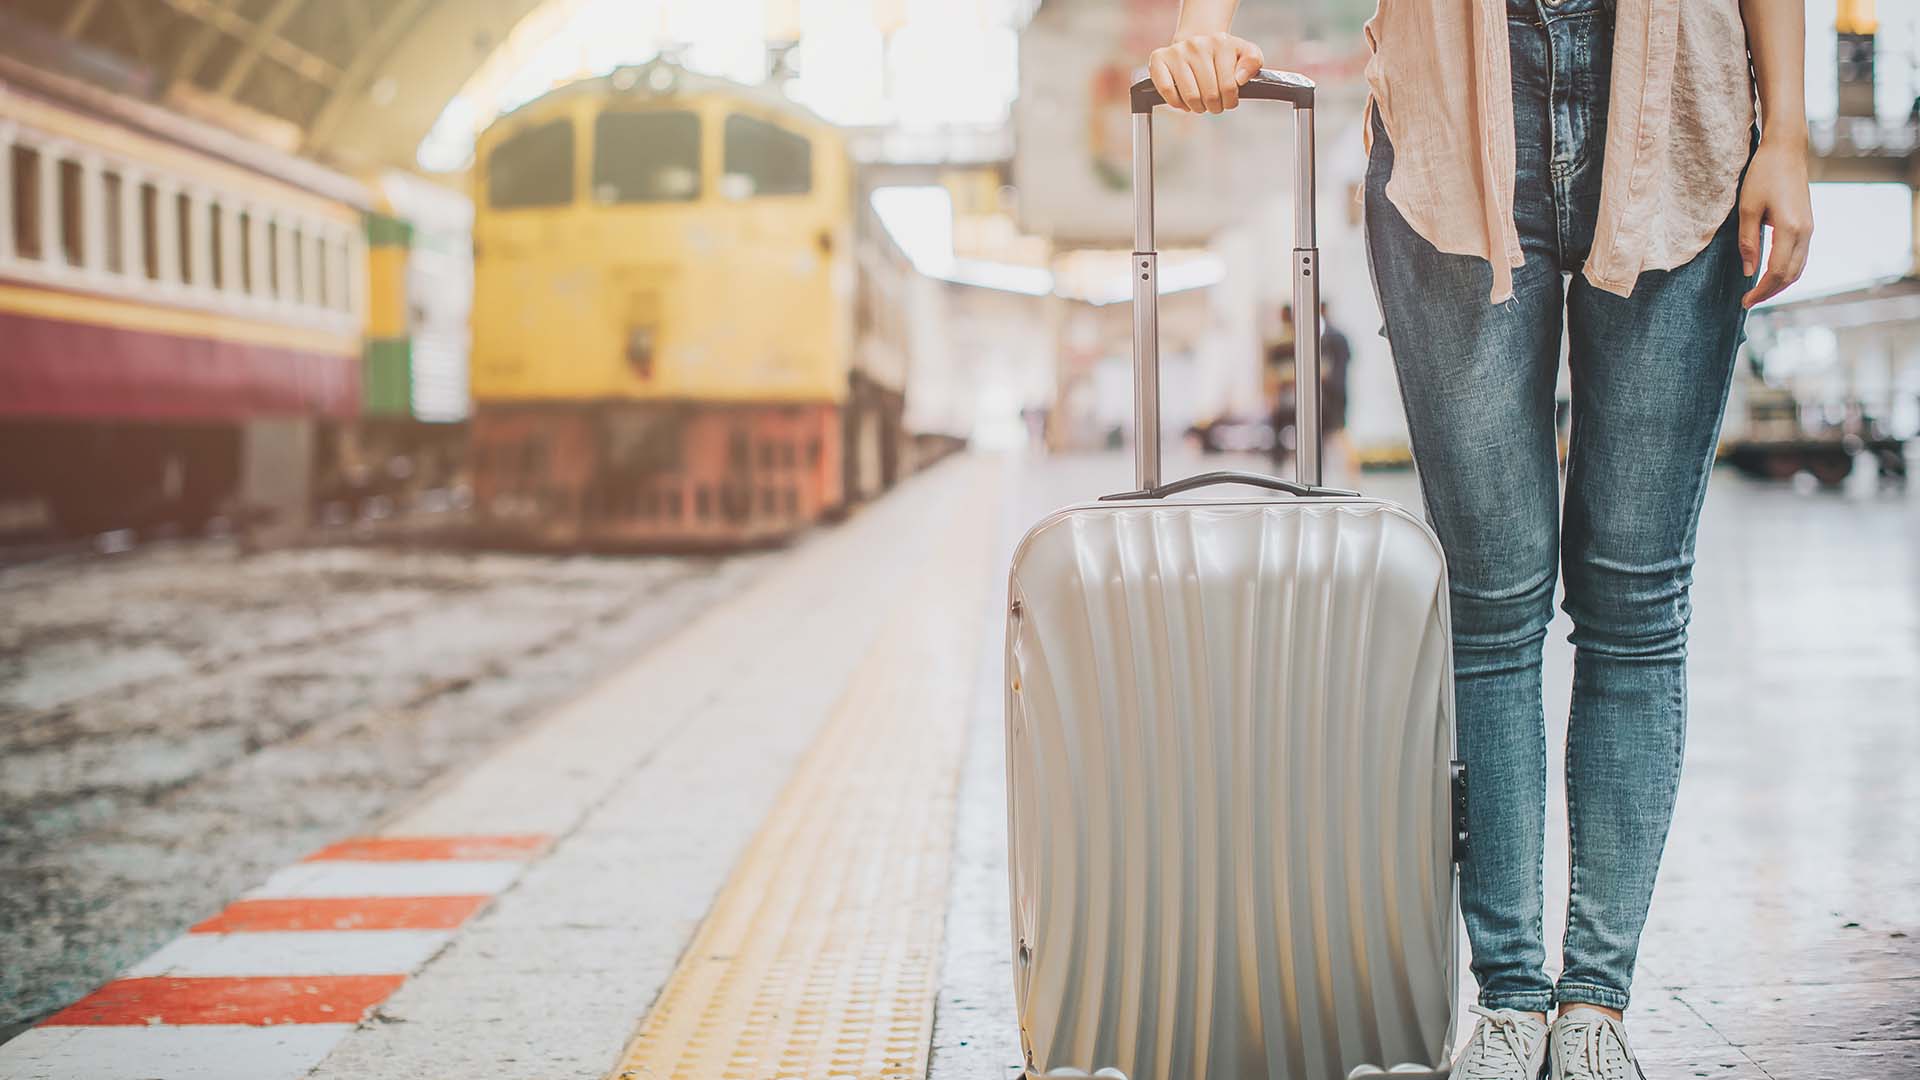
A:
1595, 1045
1500, 1039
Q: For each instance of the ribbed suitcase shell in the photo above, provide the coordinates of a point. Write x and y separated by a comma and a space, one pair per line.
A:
1229, 731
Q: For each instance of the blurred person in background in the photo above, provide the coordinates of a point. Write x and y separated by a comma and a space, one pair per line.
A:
1336, 356
1597, 165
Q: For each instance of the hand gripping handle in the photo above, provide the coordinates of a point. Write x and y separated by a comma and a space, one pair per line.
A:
1144, 269
1266, 85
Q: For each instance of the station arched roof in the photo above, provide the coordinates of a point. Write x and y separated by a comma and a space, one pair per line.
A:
354, 82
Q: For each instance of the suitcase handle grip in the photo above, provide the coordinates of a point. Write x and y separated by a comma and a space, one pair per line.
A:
1231, 476
1266, 85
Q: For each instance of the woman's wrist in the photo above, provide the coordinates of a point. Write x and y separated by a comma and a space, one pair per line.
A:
1786, 133
1188, 33
1200, 18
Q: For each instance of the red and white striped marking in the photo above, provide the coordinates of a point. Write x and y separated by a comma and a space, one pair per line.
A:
263, 990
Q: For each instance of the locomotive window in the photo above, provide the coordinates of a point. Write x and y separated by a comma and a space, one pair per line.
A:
26, 202
773, 160
533, 168
216, 229
72, 232
646, 157
183, 216
150, 230
110, 187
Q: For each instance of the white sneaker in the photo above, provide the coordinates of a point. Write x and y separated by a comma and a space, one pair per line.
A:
1587, 1044
1505, 1045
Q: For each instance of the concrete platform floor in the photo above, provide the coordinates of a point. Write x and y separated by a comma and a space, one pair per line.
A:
773, 844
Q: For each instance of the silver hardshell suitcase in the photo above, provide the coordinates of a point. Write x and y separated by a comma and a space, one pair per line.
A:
1234, 812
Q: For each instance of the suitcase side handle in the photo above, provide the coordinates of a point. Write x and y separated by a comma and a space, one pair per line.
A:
1230, 476
1144, 269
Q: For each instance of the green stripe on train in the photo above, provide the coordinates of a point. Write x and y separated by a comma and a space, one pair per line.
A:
384, 230
387, 377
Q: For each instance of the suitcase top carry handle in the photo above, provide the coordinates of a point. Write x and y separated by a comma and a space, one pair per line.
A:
1296, 90
1229, 476
1266, 85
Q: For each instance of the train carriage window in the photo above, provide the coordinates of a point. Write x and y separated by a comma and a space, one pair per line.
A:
344, 299
296, 288
322, 283
216, 231
73, 207
533, 168
26, 202
243, 228
646, 157
183, 240
771, 159
273, 259
111, 187
150, 230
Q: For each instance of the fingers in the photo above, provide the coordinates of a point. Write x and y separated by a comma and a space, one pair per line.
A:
1189, 84
1162, 75
1251, 61
1786, 260
1226, 69
1750, 210
1204, 74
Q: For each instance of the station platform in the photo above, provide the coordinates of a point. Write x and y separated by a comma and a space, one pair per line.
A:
773, 844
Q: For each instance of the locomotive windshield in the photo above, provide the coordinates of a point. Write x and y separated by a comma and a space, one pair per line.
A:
643, 157
770, 159
533, 168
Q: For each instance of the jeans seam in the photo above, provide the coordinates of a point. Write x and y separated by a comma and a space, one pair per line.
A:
1573, 825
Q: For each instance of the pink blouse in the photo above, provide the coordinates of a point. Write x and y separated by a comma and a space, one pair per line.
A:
1679, 118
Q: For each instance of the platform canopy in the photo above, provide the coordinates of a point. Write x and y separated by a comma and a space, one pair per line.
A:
358, 82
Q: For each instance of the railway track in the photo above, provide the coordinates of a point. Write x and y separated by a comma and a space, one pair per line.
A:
181, 719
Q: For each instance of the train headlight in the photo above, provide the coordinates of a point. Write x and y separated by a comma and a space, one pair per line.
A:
640, 349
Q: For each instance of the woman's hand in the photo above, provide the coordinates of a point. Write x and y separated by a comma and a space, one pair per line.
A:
1204, 72
1775, 194
1775, 191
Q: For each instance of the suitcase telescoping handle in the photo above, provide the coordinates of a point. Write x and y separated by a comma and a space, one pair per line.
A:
1267, 85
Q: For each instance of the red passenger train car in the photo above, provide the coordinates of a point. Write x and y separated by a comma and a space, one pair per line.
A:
175, 301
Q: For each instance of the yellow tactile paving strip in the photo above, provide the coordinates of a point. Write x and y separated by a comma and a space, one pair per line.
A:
819, 959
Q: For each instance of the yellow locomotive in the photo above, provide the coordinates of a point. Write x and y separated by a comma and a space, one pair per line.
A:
664, 327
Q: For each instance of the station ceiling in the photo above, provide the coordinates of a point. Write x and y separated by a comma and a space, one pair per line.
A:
356, 82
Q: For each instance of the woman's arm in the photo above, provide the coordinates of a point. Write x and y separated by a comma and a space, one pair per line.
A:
1205, 66
1775, 192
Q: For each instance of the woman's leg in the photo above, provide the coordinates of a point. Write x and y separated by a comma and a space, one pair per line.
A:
1477, 379
1650, 378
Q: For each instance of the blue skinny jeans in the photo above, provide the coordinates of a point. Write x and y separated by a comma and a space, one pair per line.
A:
1650, 374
